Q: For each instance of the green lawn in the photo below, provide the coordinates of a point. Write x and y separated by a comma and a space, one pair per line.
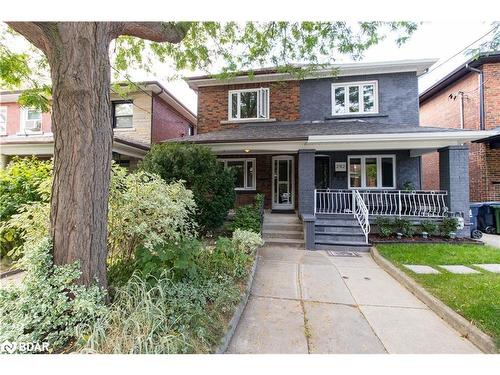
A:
475, 296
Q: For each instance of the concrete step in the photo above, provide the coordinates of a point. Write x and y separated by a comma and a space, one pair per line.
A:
334, 216
348, 221
284, 242
282, 234
281, 219
359, 248
339, 237
282, 227
323, 229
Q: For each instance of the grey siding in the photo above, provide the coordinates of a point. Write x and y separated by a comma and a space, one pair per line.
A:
407, 168
398, 98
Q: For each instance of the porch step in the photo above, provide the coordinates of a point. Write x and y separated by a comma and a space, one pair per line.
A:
295, 234
282, 227
338, 237
340, 247
344, 229
281, 219
337, 221
284, 242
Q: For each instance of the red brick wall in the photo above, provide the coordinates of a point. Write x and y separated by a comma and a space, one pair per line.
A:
14, 119
264, 183
167, 123
441, 111
213, 103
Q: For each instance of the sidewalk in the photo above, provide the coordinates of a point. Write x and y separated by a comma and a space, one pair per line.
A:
310, 302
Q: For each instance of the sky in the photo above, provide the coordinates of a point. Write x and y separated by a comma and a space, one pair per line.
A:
435, 39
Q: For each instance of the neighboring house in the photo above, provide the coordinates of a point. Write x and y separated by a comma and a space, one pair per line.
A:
147, 116
468, 98
339, 146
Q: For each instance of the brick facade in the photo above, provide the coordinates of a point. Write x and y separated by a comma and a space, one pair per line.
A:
284, 102
167, 123
443, 111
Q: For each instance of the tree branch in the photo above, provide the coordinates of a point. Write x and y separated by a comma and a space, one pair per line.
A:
172, 32
33, 32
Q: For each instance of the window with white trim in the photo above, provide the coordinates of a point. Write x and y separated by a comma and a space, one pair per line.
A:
371, 171
244, 172
354, 98
3, 120
250, 104
31, 121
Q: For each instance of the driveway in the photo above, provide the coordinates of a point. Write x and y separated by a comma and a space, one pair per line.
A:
312, 302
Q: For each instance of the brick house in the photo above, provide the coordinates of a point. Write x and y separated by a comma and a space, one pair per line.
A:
147, 116
468, 98
338, 147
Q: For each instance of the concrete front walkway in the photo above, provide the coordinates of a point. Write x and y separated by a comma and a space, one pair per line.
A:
310, 302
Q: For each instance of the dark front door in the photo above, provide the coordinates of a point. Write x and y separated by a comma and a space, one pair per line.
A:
322, 171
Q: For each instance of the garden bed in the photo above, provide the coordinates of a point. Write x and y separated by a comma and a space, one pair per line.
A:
377, 239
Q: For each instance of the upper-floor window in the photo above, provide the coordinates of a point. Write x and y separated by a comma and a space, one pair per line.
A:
248, 104
244, 172
372, 171
3, 120
354, 98
123, 114
31, 121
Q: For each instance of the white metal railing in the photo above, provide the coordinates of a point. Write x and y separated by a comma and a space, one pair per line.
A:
361, 213
416, 203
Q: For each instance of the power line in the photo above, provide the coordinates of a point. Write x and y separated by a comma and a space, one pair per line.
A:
132, 82
462, 50
135, 105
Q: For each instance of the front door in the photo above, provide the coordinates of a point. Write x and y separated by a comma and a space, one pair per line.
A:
283, 183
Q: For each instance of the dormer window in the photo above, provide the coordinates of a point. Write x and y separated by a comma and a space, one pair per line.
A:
354, 98
248, 104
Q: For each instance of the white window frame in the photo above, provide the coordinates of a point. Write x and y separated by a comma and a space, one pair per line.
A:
360, 85
4, 109
263, 108
379, 171
24, 118
245, 176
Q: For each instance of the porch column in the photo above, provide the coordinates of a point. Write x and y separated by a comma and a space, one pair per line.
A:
3, 161
306, 181
454, 177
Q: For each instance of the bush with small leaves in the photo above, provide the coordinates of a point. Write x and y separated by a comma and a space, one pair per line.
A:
448, 225
429, 226
385, 226
404, 226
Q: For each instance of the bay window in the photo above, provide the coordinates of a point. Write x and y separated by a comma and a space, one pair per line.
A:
244, 172
248, 104
372, 171
354, 98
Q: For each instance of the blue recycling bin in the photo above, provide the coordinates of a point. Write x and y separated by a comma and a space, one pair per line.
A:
475, 232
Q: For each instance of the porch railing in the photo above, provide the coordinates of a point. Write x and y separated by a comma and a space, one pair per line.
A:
415, 203
361, 213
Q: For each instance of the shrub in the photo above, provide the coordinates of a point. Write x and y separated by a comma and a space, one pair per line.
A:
197, 166
385, 226
164, 317
429, 226
246, 241
404, 226
249, 217
47, 306
25, 180
146, 211
449, 224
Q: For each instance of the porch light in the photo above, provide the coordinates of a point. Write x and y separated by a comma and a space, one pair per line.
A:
247, 150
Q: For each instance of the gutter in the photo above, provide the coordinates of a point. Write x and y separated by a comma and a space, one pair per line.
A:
481, 93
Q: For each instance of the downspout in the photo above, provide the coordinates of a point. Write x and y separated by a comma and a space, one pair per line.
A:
481, 94
461, 93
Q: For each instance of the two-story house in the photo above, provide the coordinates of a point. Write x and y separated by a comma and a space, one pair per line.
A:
468, 98
148, 115
340, 146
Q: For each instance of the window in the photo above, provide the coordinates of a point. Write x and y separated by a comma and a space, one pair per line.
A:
372, 172
3, 120
191, 130
248, 104
354, 98
31, 121
123, 114
244, 172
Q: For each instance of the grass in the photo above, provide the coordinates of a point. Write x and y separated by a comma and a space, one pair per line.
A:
474, 296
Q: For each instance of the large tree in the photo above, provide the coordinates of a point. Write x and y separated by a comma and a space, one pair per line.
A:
78, 54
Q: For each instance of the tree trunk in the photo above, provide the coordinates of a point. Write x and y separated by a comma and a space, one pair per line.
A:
83, 138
